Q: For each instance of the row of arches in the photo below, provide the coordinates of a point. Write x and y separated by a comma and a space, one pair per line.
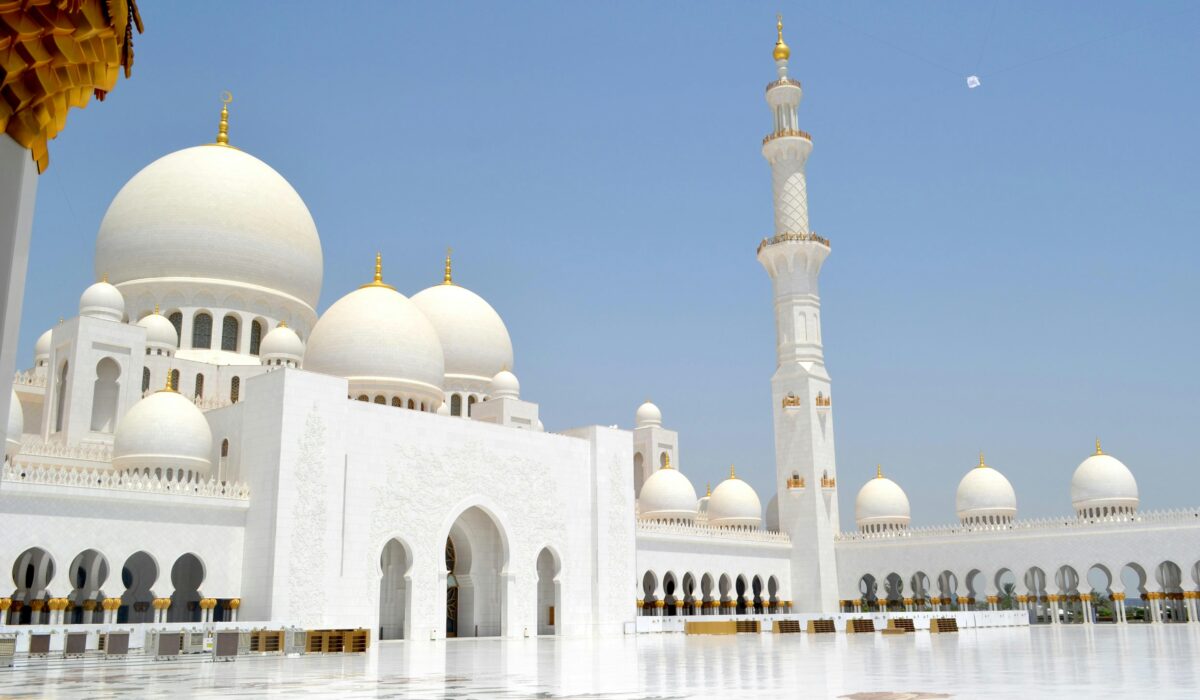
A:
397, 401
1065, 594
230, 336
91, 583
197, 388
708, 594
474, 580
461, 404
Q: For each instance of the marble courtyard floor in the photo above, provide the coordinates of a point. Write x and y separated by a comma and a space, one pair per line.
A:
1136, 661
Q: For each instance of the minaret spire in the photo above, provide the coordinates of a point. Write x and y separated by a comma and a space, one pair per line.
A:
447, 278
378, 281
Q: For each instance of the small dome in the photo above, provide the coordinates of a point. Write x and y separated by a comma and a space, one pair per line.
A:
381, 342
164, 431
1102, 486
881, 505
734, 504
473, 336
985, 497
648, 414
702, 505
160, 332
505, 385
667, 495
16, 426
102, 300
41, 349
281, 343
773, 514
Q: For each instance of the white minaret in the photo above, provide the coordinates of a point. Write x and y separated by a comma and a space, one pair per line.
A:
804, 463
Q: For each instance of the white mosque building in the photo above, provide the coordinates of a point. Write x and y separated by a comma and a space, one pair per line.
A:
198, 444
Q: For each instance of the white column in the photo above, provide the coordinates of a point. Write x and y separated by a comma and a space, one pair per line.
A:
18, 190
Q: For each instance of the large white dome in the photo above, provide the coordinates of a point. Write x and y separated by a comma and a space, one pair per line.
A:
734, 504
881, 505
16, 426
212, 219
380, 341
1103, 486
164, 431
473, 336
667, 495
985, 497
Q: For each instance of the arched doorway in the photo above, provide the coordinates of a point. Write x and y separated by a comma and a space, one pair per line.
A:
138, 575
32, 572
476, 576
395, 593
88, 572
549, 592
186, 576
105, 391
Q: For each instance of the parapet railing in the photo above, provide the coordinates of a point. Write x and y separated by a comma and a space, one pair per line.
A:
788, 237
107, 480
705, 530
782, 81
1165, 517
787, 132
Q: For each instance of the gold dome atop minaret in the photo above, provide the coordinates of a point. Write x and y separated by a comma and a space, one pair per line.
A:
782, 52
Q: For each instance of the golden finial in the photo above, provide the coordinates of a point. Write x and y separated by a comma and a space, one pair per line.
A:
782, 52
708, 489
667, 461
1098, 450
156, 308
732, 472
378, 281
223, 127
446, 279
282, 324
981, 464
170, 386
878, 471
104, 278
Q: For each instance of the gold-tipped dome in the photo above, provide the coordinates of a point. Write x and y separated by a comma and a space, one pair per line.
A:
223, 126
782, 52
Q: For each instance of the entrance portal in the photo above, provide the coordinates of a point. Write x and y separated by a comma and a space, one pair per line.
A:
476, 581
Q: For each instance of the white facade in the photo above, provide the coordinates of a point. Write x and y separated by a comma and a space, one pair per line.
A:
198, 445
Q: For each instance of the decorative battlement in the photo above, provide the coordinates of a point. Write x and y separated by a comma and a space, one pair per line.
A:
795, 483
106, 480
791, 401
823, 401
793, 238
828, 482
783, 81
35, 447
1160, 517
29, 377
652, 527
787, 132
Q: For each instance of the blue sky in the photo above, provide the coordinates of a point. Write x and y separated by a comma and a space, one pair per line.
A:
1014, 267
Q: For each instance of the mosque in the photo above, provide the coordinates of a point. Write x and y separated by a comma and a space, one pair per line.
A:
199, 444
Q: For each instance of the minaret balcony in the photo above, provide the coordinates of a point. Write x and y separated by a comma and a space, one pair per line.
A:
790, 82
793, 238
787, 132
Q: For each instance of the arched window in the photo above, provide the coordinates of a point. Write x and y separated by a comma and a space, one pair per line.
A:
175, 379
199, 386
235, 389
225, 447
145, 379
104, 396
202, 331
456, 405
229, 333
381, 399
255, 337
397, 402
411, 404
364, 397
176, 319
61, 398
470, 404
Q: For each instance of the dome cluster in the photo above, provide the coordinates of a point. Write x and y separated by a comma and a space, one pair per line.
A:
1101, 487
667, 495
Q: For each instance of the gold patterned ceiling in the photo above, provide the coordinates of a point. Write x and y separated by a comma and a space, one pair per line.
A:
54, 55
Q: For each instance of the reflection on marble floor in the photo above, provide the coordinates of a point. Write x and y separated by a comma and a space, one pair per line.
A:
1064, 662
